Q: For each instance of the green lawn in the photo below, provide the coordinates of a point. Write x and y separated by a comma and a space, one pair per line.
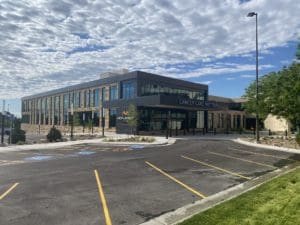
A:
274, 203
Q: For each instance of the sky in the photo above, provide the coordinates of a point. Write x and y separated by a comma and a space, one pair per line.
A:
48, 44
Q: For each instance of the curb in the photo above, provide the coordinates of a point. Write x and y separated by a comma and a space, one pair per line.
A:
283, 149
87, 141
187, 211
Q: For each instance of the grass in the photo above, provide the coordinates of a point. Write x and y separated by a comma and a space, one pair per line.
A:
276, 202
131, 139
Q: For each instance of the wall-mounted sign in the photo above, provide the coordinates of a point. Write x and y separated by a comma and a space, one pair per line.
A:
190, 102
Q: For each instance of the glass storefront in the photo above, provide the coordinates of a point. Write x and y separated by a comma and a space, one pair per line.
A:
157, 119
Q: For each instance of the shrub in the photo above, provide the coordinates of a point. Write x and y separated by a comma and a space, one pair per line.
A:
54, 135
298, 138
18, 135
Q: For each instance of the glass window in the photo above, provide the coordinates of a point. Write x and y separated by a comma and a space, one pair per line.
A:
112, 117
128, 89
87, 100
65, 107
113, 92
56, 110
96, 97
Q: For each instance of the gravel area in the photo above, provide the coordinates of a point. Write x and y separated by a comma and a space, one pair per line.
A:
279, 141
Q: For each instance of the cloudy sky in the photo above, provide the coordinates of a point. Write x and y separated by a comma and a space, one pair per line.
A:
47, 44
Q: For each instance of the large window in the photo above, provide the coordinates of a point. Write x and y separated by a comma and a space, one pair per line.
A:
161, 89
112, 117
56, 110
128, 89
96, 97
87, 100
77, 100
114, 92
66, 106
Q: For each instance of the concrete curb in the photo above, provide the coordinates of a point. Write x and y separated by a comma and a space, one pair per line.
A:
159, 142
283, 149
187, 211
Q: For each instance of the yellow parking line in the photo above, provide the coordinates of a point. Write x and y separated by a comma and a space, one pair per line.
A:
177, 181
103, 200
217, 168
9, 190
263, 154
245, 160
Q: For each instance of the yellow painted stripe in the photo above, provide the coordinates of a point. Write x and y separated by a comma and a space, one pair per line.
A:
9, 190
103, 200
263, 154
245, 160
177, 181
217, 168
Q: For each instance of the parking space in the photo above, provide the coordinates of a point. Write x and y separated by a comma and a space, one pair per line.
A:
100, 184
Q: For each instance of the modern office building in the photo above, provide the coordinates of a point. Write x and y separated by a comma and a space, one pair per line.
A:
160, 101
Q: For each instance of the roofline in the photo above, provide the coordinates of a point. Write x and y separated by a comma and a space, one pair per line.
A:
115, 78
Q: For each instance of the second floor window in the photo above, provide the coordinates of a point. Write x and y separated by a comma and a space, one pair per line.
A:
113, 92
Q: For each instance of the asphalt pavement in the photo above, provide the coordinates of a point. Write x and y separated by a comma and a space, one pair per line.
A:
103, 185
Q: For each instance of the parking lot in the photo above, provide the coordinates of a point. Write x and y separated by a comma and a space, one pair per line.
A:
102, 184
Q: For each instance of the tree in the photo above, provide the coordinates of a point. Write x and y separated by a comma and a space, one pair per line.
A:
132, 117
278, 94
90, 124
54, 135
17, 134
298, 52
76, 119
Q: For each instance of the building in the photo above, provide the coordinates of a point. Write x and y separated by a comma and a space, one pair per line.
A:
227, 115
277, 124
161, 102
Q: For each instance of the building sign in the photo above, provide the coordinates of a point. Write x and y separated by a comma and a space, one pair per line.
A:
191, 102
124, 116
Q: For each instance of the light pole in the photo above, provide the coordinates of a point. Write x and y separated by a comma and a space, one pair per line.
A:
251, 14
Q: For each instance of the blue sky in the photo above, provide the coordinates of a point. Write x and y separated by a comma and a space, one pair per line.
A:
49, 44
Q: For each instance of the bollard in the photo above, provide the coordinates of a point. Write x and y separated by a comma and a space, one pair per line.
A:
176, 131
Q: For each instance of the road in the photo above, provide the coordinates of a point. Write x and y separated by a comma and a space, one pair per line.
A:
137, 183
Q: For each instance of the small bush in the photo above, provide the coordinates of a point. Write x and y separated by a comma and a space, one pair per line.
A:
17, 135
54, 135
298, 138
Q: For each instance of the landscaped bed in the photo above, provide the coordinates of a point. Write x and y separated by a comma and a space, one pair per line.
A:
276, 202
279, 141
131, 139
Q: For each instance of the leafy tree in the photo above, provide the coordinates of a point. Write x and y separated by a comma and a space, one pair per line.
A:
279, 94
90, 124
298, 52
76, 119
132, 117
17, 134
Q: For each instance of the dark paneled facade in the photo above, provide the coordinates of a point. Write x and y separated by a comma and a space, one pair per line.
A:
161, 102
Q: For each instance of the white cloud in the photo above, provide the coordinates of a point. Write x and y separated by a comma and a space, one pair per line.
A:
207, 82
230, 78
247, 76
49, 44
